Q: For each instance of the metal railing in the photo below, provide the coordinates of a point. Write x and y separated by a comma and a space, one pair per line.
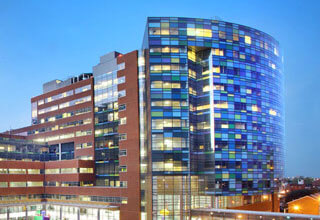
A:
228, 214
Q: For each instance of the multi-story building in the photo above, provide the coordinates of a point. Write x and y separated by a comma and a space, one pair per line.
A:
214, 115
90, 131
193, 120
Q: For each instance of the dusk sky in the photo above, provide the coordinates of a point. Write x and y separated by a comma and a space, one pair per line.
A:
45, 40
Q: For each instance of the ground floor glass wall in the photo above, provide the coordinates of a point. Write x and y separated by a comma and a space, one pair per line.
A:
71, 213
58, 212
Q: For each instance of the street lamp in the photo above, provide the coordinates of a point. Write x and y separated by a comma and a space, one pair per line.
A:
296, 207
211, 214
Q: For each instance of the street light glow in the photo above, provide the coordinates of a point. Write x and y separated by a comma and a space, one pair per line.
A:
296, 207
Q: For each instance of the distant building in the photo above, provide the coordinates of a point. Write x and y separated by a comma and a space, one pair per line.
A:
305, 205
316, 183
293, 187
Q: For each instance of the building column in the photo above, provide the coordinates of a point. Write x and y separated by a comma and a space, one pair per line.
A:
8, 213
78, 214
60, 156
60, 210
98, 214
26, 211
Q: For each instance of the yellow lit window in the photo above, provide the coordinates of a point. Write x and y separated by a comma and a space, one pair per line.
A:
191, 31
156, 68
272, 112
166, 50
165, 67
176, 85
218, 52
247, 39
206, 72
164, 31
34, 184
203, 107
167, 103
174, 50
206, 88
216, 69
218, 87
166, 85
192, 91
255, 108
86, 170
224, 126
199, 32
192, 55
192, 74
156, 84
221, 105
207, 33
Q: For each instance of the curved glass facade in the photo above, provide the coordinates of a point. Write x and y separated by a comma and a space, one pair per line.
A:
214, 103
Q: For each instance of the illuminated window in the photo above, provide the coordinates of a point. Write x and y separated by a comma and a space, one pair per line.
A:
34, 184
41, 102
221, 105
17, 171
123, 120
247, 39
18, 184
33, 171
3, 184
272, 112
69, 170
86, 170
123, 168
3, 171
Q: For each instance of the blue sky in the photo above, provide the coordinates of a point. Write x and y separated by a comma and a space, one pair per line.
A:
45, 40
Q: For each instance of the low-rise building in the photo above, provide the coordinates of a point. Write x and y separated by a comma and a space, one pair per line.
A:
309, 204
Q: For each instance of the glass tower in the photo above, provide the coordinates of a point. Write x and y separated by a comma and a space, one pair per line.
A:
213, 103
